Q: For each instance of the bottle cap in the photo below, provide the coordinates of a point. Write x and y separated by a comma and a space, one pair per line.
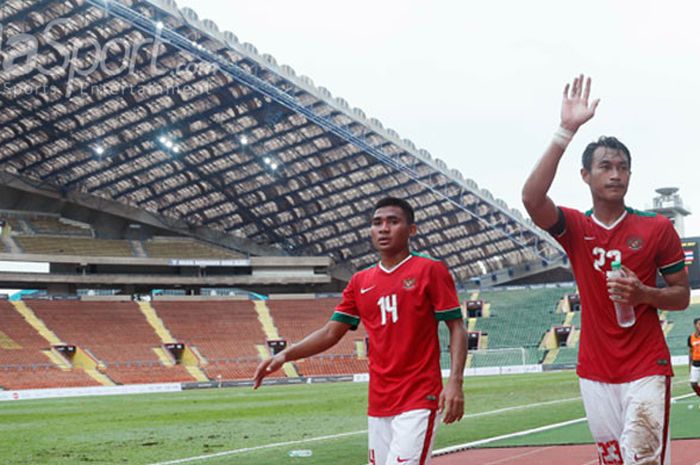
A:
616, 265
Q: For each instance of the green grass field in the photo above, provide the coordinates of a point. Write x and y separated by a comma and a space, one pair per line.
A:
153, 428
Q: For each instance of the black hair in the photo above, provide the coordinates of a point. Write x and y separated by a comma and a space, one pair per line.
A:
695, 321
607, 142
396, 202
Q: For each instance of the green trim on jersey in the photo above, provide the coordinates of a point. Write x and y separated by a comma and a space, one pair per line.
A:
422, 255
639, 212
631, 211
451, 314
353, 321
673, 267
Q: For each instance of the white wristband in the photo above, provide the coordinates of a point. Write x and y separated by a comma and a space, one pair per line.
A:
562, 137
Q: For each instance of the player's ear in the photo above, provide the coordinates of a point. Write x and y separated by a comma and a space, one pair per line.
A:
586, 176
412, 229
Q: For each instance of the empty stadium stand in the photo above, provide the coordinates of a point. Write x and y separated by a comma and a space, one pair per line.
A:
185, 248
224, 332
116, 334
513, 325
519, 318
23, 364
74, 246
37, 234
55, 226
682, 327
228, 337
296, 318
15, 224
567, 356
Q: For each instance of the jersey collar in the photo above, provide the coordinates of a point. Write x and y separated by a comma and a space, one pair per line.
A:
396, 267
612, 226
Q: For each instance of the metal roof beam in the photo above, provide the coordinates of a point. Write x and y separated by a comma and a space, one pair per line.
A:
252, 176
146, 138
275, 94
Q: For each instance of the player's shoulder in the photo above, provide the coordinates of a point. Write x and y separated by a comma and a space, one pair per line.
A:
365, 271
424, 256
570, 213
573, 211
647, 217
425, 259
428, 263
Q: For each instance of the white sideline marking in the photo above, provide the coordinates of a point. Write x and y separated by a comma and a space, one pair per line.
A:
251, 449
446, 450
468, 445
351, 433
521, 407
684, 396
480, 442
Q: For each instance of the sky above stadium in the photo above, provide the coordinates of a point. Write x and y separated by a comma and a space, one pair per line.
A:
478, 84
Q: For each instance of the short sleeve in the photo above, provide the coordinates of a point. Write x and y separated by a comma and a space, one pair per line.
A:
443, 294
566, 227
346, 311
670, 257
690, 344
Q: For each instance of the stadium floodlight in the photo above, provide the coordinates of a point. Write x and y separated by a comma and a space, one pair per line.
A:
99, 150
176, 149
160, 25
273, 166
267, 160
243, 140
162, 139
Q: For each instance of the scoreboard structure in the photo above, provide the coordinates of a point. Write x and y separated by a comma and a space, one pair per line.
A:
690, 248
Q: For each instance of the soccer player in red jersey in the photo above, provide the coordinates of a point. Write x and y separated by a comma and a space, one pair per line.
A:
400, 301
694, 357
624, 371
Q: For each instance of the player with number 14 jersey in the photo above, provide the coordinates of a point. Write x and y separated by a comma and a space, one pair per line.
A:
400, 309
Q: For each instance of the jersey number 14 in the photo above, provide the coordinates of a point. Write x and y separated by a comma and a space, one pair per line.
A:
387, 304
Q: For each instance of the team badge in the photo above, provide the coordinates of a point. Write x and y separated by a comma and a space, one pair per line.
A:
635, 242
409, 283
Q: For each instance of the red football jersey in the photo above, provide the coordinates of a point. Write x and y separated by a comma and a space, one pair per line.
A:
400, 309
643, 242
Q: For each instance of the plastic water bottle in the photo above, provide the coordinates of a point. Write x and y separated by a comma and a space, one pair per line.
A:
624, 312
301, 453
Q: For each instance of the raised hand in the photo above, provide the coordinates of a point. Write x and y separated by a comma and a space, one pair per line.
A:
575, 110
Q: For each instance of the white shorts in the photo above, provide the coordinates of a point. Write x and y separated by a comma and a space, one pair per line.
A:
629, 421
694, 374
405, 439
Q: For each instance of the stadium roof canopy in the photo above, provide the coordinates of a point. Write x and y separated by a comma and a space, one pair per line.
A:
142, 103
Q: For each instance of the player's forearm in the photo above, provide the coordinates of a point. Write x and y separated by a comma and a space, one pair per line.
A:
537, 185
315, 343
674, 297
458, 351
575, 111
